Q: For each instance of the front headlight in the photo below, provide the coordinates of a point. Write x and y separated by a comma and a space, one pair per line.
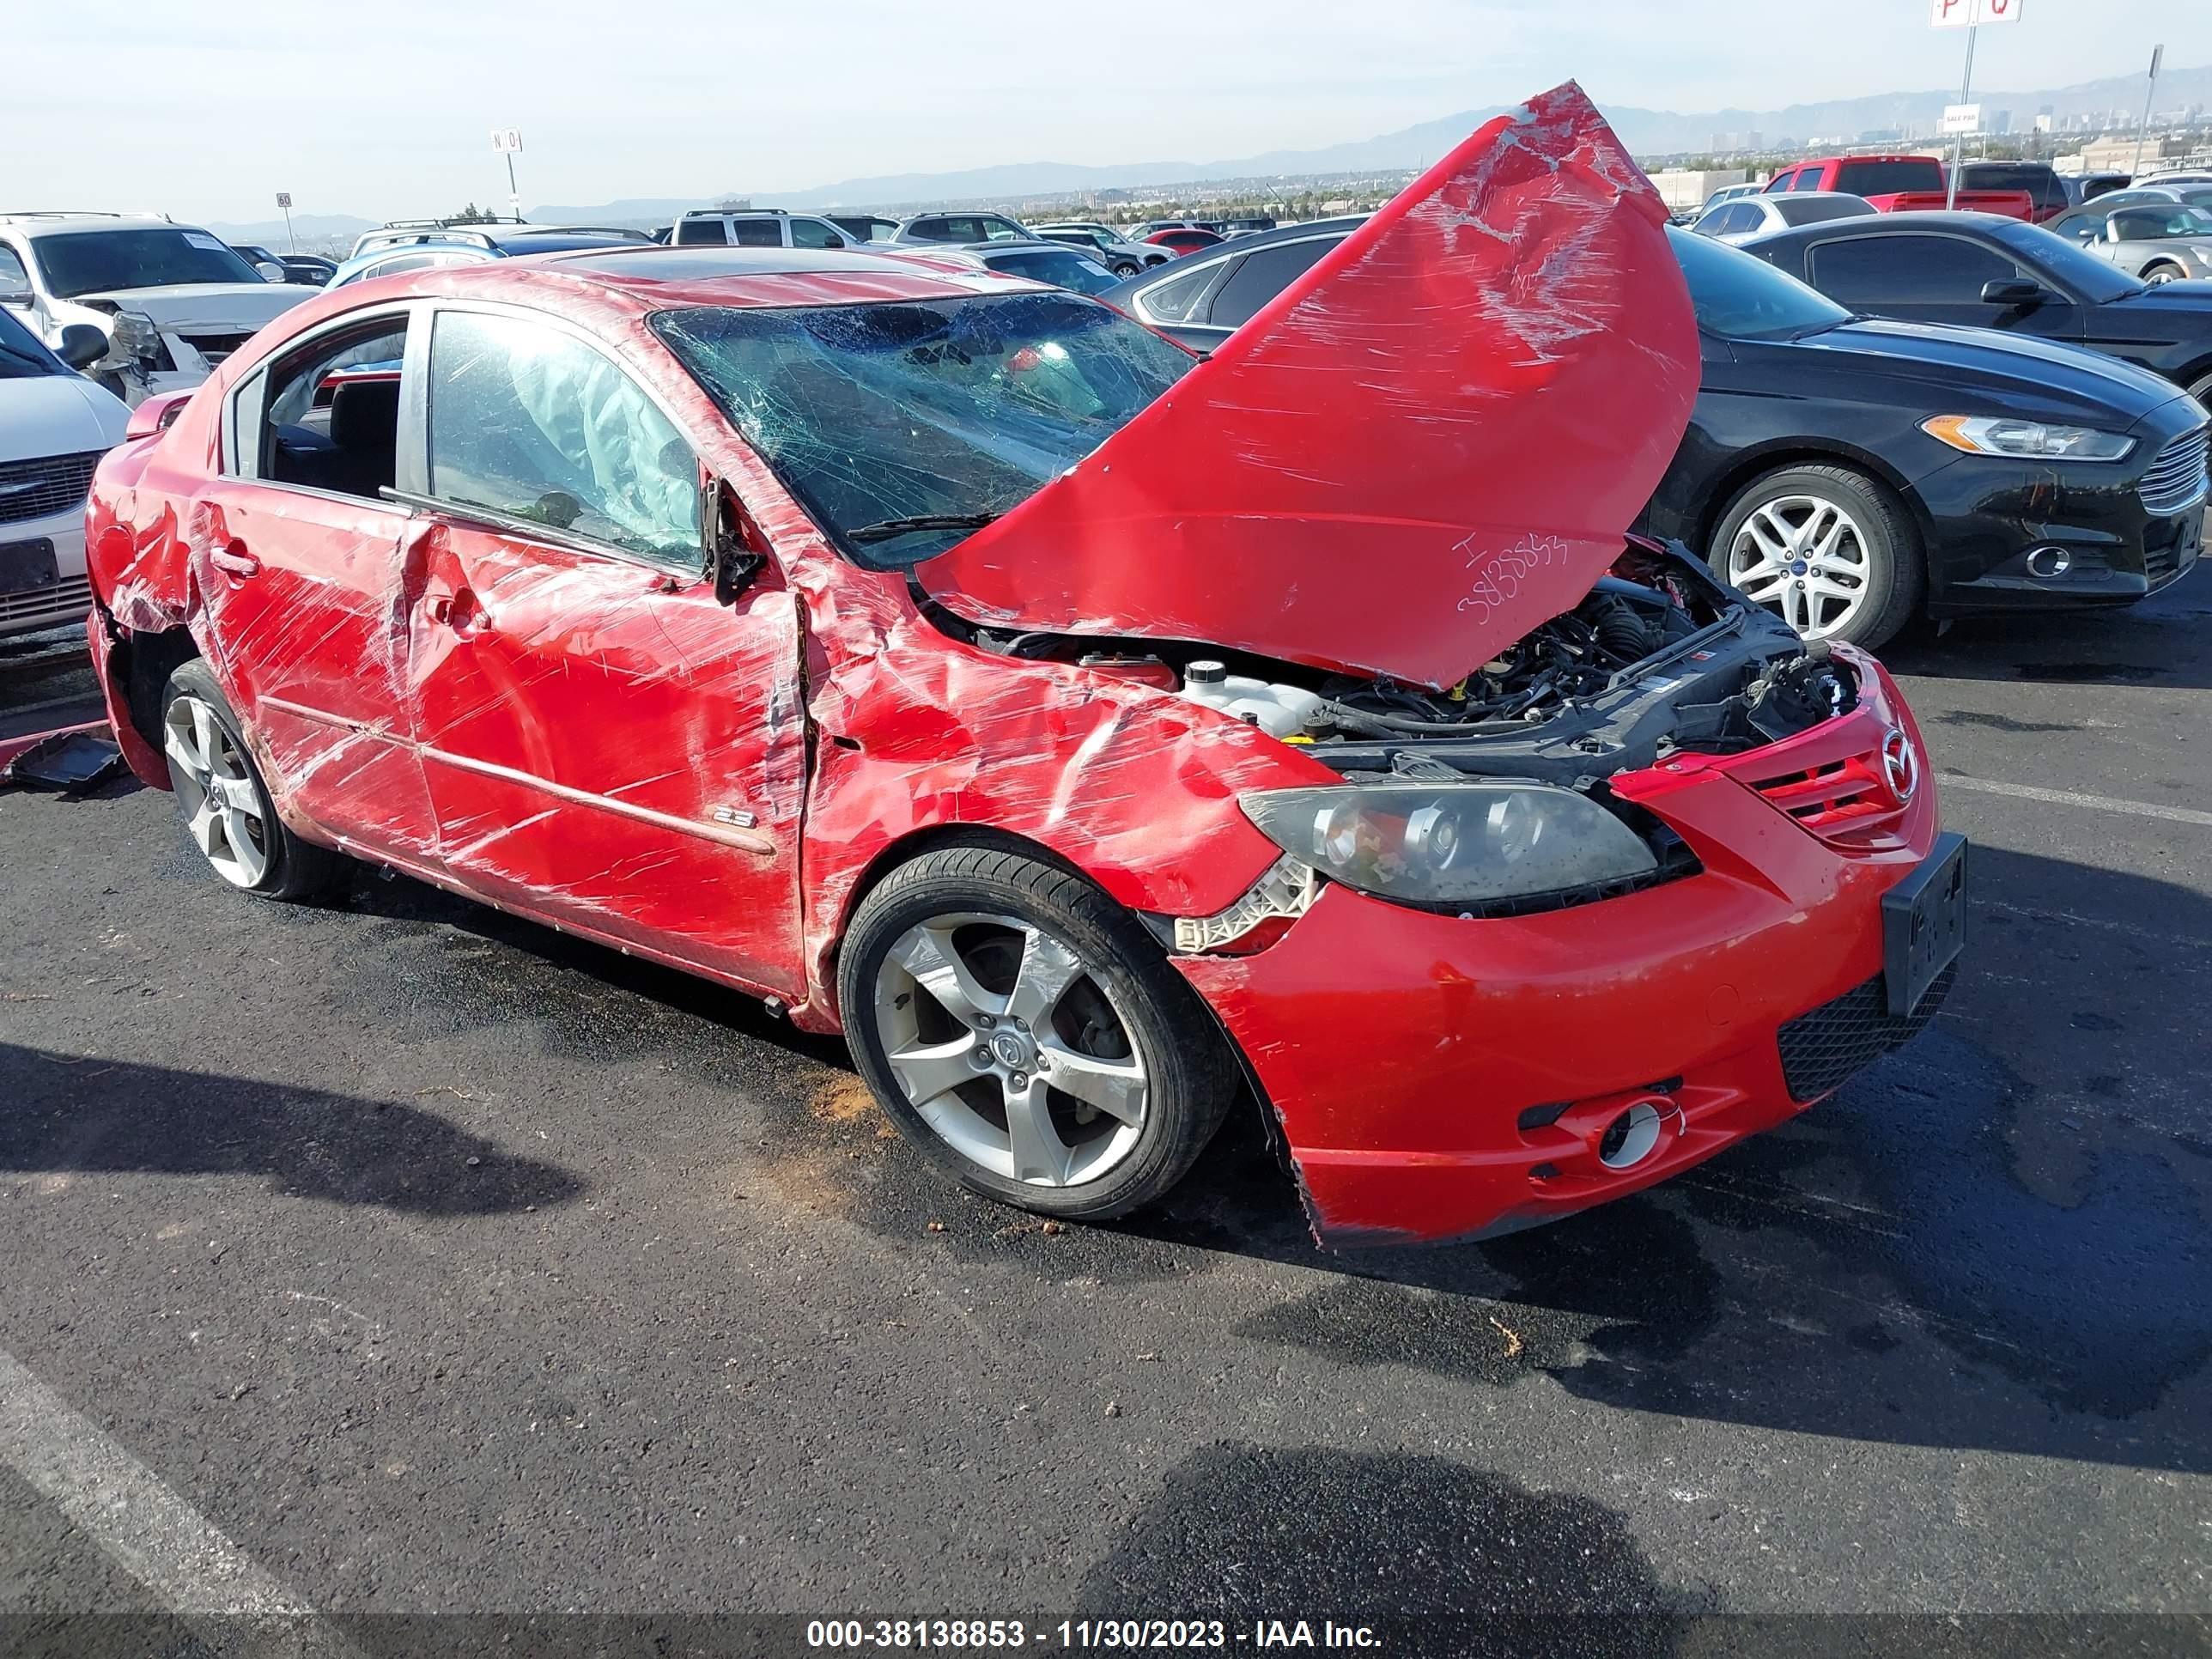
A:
2027, 441
134, 337
1451, 843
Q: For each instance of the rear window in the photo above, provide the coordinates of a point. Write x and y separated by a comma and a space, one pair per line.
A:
1889, 178
1814, 208
2041, 183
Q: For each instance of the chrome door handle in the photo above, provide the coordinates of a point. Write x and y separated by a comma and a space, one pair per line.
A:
235, 561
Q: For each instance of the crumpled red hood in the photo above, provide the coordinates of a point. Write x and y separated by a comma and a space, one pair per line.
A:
1428, 444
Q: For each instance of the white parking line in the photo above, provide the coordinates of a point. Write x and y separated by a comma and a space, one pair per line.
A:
2141, 809
123, 1507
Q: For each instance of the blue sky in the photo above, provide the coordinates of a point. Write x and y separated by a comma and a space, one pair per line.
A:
205, 112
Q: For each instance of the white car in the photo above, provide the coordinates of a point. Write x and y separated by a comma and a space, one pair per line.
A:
1755, 215
54, 427
171, 300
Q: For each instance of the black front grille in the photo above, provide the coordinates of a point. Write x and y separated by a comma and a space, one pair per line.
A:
51, 483
1822, 1049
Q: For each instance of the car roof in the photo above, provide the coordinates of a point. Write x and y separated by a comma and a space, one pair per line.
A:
1894, 224
653, 278
32, 222
1232, 247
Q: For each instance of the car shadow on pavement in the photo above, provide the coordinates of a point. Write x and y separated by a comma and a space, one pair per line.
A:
2000, 1237
67, 1116
2160, 642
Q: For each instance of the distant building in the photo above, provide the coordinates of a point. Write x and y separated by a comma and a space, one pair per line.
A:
1997, 122
1683, 188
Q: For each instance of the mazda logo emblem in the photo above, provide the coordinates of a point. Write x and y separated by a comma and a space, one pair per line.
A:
1900, 767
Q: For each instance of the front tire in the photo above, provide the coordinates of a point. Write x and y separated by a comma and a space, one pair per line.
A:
225, 805
1829, 549
2162, 272
1127, 268
1028, 1036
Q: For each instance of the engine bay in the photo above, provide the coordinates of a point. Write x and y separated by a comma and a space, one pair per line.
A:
1659, 657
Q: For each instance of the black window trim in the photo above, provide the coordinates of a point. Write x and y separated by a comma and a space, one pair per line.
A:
413, 489
1949, 234
247, 399
1229, 256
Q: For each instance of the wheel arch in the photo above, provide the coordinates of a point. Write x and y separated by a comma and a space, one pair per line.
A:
1781, 456
919, 843
830, 924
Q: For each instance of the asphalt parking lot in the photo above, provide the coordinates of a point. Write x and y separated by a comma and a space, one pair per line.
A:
397, 1257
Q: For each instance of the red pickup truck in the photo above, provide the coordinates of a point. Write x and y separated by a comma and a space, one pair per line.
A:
1897, 183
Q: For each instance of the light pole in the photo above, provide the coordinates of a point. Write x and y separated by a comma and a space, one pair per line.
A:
1958, 138
2150, 92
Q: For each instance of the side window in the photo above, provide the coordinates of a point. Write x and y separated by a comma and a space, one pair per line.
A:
15, 281
1264, 274
1173, 300
400, 262
692, 233
756, 233
329, 417
814, 232
2139, 224
1778, 183
932, 230
1876, 270
532, 422
996, 229
1808, 179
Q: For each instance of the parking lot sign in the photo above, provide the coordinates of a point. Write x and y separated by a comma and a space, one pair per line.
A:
1971, 13
506, 140
1961, 117
283, 198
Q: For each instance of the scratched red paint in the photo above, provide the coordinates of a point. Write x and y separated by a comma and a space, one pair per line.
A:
1423, 447
1430, 445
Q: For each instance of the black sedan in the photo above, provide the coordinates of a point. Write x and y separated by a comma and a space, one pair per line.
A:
1851, 473
1989, 272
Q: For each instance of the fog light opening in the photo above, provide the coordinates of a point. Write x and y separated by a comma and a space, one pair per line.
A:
1630, 1138
2046, 562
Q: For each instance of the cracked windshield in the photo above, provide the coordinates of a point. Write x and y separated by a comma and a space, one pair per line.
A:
888, 420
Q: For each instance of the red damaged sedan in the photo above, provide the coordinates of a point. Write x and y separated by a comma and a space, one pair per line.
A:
1086, 732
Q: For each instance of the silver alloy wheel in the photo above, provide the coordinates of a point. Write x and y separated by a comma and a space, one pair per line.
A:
1806, 557
222, 807
1021, 1082
2162, 273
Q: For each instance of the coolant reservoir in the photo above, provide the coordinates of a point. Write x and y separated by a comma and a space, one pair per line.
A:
1280, 711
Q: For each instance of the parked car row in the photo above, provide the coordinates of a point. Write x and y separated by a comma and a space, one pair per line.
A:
1852, 473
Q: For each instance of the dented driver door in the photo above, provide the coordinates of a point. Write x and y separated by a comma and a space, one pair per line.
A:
607, 746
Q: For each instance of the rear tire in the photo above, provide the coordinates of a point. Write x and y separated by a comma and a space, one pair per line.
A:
225, 805
2201, 389
1830, 550
1028, 1036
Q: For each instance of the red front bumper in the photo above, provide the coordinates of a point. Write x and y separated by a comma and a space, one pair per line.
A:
1401, 1049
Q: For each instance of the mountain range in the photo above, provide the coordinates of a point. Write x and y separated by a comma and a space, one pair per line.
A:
1649, 133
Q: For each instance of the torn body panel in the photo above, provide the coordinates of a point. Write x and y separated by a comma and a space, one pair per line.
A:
1428, 444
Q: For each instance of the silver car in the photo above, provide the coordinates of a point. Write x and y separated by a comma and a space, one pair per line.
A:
1754, 215
2159, 241
1120, 255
